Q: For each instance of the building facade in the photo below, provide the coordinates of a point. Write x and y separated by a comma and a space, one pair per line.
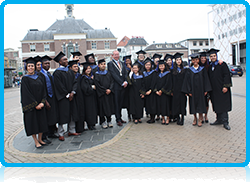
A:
121, 46
229, 25
69, 35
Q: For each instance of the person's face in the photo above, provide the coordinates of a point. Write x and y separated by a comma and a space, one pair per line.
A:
88, 70
46, 65
195, 61
203, 59
148, 66
213, 57
169, 62
91, 59
30, 68
141, 57
178, 61
128, 63
135, 69
116, 55
74, 68
156, 61
162, 67
38, 66
64, 61
102, 66
76, 58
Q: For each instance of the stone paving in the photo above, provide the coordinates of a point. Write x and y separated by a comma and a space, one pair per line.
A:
125, 176
146, 143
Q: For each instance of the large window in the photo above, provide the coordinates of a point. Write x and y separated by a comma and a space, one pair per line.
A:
194, 43
46, 47
32, 47
93, 45
70, 49
107, 45
77, 47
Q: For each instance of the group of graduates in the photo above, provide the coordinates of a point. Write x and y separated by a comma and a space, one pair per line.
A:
71, 98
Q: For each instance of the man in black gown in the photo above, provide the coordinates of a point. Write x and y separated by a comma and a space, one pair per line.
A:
221, 82
140, 59
65, 89
119, 74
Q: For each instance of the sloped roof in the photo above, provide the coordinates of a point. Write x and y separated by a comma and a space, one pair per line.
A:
164, 46
99, 33
39, 35
137, 41
123, 41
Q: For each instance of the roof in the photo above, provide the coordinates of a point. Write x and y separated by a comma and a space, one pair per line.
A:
137, 41
164, 46
123, 41
39, 35
99, 33
195, 39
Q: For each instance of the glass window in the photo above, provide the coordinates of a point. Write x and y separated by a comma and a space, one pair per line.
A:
235, 16
218, 24
32, 47
222, 22
244, 12
235, 31
206, 43
107, 45
64, 48
194, 43
240, 30
46, 47
231, 33
201, 43
240, 14
15, 54
244, 28
93, 45
77, 47
230, 18
218, 11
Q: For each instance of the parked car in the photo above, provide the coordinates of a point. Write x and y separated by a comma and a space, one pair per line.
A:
235, 70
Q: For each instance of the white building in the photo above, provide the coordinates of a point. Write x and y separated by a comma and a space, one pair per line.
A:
229, 25
196, 45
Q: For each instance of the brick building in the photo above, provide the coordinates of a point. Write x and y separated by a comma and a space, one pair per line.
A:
69, 35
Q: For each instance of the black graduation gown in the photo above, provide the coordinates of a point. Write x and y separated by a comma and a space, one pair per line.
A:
219, 78
90, 100
197, 84
163, 102
141, 66
52, 113
125, 103
105, 102
33, 92
65, 82
179, 99
150, 100
136, 103
80, 106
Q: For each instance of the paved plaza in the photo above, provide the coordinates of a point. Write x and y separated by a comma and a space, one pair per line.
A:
141, 143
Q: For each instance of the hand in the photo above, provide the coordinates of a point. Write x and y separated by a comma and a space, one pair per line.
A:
92, 76
220, 62
142, 96
108, 91
205, 93
190, 95
148, 92
93, 87
125, 84
40, 106
224, 90
47, 105
172, 94
71, 96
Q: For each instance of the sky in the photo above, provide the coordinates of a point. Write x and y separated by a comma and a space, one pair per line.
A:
155, 22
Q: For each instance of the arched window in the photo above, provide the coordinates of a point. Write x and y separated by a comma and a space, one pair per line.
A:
70, 49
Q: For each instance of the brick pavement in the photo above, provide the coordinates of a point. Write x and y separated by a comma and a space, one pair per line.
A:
125, 176
150, 143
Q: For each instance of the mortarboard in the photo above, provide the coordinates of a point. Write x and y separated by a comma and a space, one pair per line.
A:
157, 56
177, 55
213, 51
194, 55
203, 54
88, 55
167, 56
45, 58
141, 52
30, 60
127, 57
59, 56
77, 53
72, 62
147, 60
161, 62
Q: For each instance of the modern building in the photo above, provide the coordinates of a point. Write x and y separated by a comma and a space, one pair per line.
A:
167, 48
229, 26
69, 35
195, 45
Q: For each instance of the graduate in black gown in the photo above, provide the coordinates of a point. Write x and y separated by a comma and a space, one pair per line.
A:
163, 90
65, 89
105, 93
140, 60
136, 93
77, 104
33, 97
50, 103
221, 82
128, 65
179, 99
150, 76
156, 57
89, 95
90, 58
196, 85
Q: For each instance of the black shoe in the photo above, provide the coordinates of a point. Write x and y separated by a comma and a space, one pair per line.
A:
226, 126
157, 119
206, 121
40, 147
215, 123
139, 121
151, 121
53, 136
46, 141
202, 121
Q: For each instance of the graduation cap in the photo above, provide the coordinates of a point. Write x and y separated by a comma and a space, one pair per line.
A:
127, 57
77, 53
59, 56
86, 64
177, 55
157, 56
72, 62
141, 52
30, 60
101, 61
213, 51
88, 55
161, 62
45, 58
37, 58
136, 64
203, 54
167, 56
194, 55
147, 60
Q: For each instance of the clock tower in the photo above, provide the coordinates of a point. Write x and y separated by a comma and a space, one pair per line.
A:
69, 10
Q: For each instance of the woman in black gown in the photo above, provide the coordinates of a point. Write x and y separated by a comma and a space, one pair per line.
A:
33, 96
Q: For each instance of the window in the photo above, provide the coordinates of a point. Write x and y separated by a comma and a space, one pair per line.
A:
15, 54
64, 48
77, 47
240, 14
46, 47
225, 21
32, 47
235, 31
234, 16
218, 24
222, 22
93, 45
222, 35
240, 30
194, 43
218, 11
201, 43
231, 33
177, 45
225, 34
230, 18
158, 46
70, 49
168, 46
244, 12
206, 43
244, 28
107, 45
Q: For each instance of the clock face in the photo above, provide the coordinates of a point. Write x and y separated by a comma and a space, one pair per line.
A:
69, 7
